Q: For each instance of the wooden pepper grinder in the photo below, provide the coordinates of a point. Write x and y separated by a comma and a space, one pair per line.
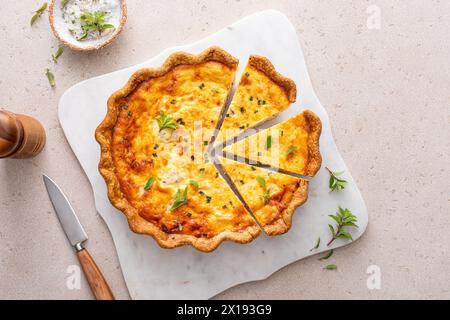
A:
20, 136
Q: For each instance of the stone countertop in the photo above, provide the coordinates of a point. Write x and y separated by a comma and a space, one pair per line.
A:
384, 82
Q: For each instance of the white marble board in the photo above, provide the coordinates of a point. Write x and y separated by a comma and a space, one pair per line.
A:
185, 273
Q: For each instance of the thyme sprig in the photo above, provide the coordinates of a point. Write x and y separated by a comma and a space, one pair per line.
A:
343, 218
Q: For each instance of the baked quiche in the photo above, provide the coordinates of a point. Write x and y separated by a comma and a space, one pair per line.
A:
155, 171
262, 93
292, 145
271, 196
156, 141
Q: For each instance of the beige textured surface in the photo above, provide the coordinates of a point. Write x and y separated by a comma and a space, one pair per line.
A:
387, 92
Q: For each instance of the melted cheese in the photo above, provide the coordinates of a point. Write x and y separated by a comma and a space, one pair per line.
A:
279, 188
256, 100
194, 97
289, 146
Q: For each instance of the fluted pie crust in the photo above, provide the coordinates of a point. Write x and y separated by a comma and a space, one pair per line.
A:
117, 130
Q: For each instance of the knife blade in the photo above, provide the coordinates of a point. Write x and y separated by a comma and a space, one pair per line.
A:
66, 215
76, 235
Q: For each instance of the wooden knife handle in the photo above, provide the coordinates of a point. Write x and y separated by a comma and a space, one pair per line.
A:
94, 276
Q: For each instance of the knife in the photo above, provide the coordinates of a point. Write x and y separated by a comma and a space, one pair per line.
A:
76, 235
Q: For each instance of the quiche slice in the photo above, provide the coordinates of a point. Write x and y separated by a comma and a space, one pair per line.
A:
262, 93
271, 196
155, 174
292, 145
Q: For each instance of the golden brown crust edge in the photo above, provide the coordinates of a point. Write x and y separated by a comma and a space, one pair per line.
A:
264, 65
315, 128
103, 135
284, 222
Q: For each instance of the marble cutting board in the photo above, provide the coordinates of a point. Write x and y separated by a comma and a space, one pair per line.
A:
185, 273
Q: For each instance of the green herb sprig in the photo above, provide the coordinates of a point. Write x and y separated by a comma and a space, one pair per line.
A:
327, 255
344, 218
93, 21
331, 267
336, 183
166, 122
58, 54
180, 199
51, 78
38, 13
149, 184
263, 183
316, 245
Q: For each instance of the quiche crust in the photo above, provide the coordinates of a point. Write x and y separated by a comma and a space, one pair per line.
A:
104, 135
264, 65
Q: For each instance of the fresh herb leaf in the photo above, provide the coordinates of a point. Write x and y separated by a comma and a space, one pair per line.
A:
58, 54
38, 13
93, 21
149, 183
268, 142
327, 256
343, 218
165, 122
51, 78
331, 267
261, 181
336, 183
179, 200
194, 183
317, 244
290, 150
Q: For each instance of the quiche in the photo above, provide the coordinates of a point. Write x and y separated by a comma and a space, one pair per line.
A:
155, 172
271, 196
157, 141
292, 145
262, 93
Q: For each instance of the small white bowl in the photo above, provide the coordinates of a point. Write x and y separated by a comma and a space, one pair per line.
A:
60, 30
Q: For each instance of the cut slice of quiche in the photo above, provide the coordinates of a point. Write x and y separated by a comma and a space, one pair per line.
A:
271, 196
292, 145
262, 94
155, 171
